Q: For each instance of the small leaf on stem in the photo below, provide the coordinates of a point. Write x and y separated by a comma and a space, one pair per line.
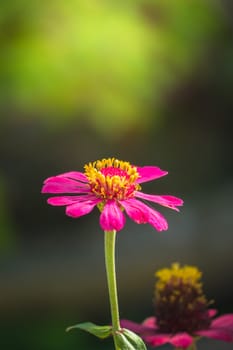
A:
99, 331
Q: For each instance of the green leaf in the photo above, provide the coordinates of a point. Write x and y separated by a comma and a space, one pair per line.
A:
127, 340
99, 331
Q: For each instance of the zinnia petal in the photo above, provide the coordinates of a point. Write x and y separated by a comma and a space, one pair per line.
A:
217, 333
57, 184
147, 332
157, 220
136, 327
150, 322
148, 173
221, 328
181, 340
223, 321
212, 312
136, 210
67, 200
112, 217
165, 200
157, 339
82, 208
76, 175
142, 213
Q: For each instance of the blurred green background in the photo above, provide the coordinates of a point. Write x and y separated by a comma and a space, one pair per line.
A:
148, 81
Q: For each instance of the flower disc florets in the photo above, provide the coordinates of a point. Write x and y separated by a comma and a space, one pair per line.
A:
112, 179
180, 303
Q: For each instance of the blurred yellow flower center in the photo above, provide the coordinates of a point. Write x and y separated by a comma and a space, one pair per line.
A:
180, 304
112, 179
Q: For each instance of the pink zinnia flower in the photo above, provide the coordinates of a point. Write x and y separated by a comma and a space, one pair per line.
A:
113, 186
182, 314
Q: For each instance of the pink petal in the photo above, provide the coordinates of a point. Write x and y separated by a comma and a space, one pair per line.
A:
82, 208
224, 321
181, 340
59, 184
67, 200
137, 211
157, 339
221, 328
157, 220
75, 175
217, 333
150, 322
149, 332
166, 201
212, 312
112, 217
136, 327
148, 173
142, 213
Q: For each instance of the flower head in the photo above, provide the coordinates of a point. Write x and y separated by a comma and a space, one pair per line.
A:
179, 300
113, 186
182, 312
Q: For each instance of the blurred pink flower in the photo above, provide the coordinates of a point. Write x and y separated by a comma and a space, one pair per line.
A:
182, 314
113, 186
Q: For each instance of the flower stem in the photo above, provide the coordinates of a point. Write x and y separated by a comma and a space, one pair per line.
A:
191, 347
109, 244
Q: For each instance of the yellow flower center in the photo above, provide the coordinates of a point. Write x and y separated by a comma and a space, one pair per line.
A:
180, 304
112, 179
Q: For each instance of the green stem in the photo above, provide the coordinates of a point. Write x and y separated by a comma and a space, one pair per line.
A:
191, 347
109, 244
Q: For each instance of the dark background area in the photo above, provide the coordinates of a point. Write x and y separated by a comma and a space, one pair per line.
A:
149, 82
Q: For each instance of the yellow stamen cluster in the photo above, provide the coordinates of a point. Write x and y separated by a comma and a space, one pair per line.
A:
112, 178
187, 274
179, 299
